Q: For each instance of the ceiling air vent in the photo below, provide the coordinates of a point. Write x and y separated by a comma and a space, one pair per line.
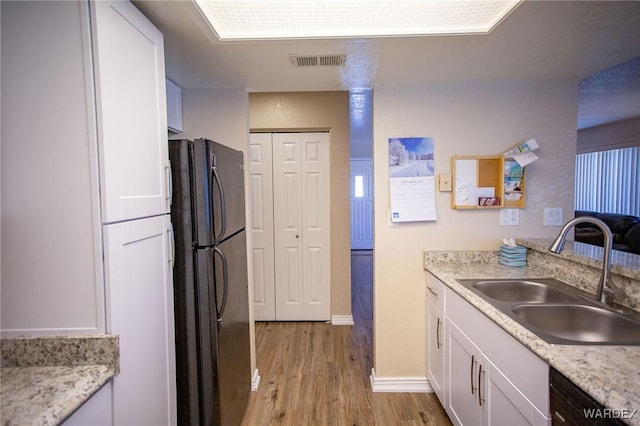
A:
337, 60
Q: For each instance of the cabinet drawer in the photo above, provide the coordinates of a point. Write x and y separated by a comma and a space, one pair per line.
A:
435, 290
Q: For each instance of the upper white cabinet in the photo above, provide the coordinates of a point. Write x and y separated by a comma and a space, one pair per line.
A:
132, 116
174, 107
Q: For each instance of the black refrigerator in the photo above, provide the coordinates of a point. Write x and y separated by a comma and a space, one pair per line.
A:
210, 283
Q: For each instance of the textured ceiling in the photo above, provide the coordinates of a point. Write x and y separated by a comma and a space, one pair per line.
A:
541, 40
610, 95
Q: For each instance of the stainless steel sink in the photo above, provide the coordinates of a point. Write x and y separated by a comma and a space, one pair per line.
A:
522, 291
558, 313
586, 324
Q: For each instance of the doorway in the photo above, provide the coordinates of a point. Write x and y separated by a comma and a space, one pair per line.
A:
361, 204
289, 190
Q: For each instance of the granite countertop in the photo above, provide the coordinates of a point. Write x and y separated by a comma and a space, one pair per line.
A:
45, 379
610, 374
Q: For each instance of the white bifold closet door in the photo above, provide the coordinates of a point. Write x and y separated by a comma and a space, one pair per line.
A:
290, 227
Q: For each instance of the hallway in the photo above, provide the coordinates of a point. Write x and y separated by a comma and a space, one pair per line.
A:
314, 373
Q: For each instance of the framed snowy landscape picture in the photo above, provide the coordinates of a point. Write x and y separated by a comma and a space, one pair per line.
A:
412, 179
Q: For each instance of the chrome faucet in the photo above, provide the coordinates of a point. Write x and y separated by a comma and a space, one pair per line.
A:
606, 289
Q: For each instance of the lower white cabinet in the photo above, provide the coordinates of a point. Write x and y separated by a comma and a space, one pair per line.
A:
139, 288
97, 411
466, 405
486, 377
436, 350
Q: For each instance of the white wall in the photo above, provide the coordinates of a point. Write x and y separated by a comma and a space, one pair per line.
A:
463, 119
218, 114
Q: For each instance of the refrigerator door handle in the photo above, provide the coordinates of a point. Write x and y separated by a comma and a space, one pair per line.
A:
223, 204
225, 285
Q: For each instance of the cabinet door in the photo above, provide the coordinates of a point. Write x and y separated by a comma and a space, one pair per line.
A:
505, 403
261, 226
435, 351
464, 402
131, 112
174, 107
97, 411
140, 310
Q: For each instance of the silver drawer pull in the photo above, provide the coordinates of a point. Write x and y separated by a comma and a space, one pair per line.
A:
432, 291
559, 416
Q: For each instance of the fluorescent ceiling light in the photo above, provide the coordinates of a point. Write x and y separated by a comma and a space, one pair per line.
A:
292, 19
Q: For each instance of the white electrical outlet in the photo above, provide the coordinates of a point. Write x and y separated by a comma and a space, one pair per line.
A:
509, 217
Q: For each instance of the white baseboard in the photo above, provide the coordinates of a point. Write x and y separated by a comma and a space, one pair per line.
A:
255, 381
400, 384
341, 319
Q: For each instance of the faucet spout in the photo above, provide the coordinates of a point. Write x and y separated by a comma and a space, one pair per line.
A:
606, 289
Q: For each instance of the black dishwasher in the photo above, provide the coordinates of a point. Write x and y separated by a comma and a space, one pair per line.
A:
570, 405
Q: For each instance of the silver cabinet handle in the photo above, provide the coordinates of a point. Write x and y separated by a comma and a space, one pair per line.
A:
172, 246
560, 417
480, 398
438, 333
473, 362
432, 291
169, 184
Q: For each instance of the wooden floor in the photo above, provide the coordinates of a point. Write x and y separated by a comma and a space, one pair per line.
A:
314, 373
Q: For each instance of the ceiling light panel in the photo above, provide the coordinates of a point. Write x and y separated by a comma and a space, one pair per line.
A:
291, 19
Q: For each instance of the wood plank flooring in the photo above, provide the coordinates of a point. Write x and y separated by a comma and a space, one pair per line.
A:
314, 373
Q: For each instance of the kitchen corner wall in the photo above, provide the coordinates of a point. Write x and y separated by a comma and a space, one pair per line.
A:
222, 115
319, 111
464, 119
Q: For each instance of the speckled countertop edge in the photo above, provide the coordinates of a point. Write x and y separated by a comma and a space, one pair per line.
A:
45, 379
610, 374
47, 395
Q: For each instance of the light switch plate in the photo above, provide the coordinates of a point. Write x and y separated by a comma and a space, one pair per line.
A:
444, 182
553, 216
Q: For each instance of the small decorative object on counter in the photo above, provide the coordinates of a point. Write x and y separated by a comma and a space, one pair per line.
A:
513, 256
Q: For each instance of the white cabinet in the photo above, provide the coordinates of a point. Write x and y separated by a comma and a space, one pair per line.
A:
132, 113
140, 305
476, 368
436, 337
465, 403
174, 107
51, 267
96, 411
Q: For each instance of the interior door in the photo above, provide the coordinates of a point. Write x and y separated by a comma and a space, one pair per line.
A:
362, 204
297, 210
261, 226
301, 226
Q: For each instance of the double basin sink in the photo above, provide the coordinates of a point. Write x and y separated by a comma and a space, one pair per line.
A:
557, 312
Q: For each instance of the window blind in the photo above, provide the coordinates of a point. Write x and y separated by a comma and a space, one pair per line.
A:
609, 181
